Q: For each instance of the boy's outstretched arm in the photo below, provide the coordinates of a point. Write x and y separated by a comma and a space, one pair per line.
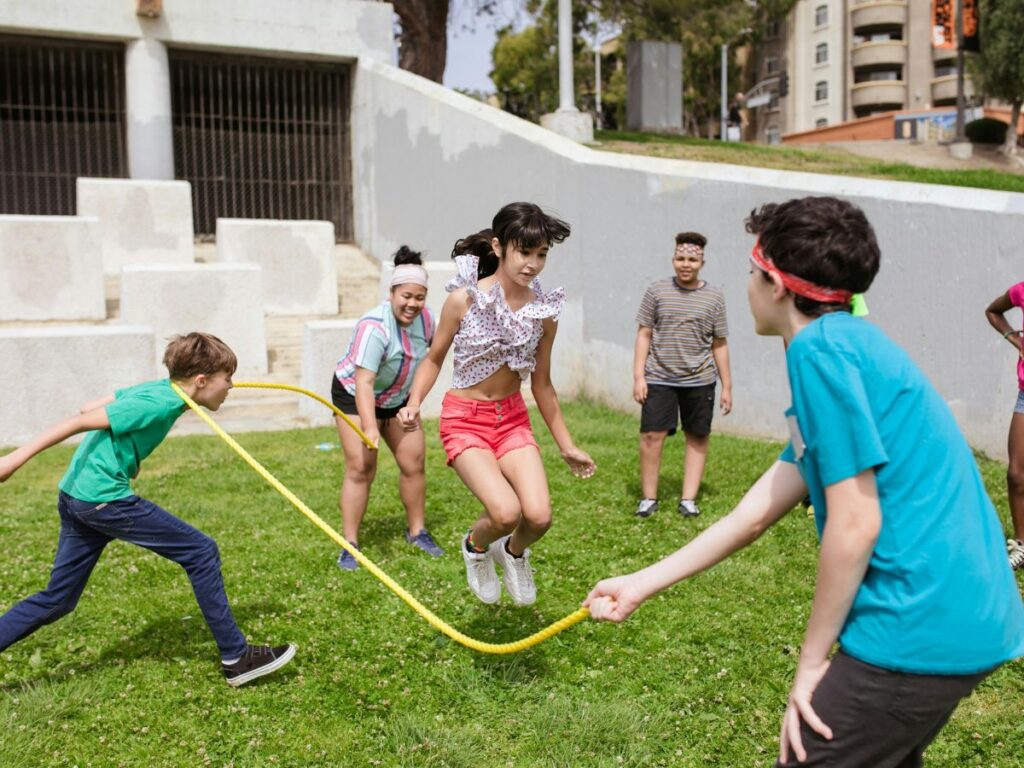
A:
851, 530
100, 402
776, 492
82, 422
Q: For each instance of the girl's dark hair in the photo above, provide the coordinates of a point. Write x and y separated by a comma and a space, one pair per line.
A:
525, 225
478, 245
821, 239
406, 255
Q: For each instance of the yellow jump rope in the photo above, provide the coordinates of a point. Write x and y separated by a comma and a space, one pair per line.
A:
431, 618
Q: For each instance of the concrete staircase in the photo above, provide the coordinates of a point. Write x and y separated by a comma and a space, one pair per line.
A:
254, 410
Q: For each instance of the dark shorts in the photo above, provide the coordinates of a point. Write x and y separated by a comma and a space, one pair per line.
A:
879, 718
346, 403
666, 406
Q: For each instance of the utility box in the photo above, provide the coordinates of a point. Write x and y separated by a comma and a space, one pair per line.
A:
654, 87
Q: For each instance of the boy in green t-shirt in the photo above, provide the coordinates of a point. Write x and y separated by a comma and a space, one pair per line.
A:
96, 503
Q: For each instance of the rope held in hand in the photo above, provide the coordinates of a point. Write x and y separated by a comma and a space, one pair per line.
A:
431, 618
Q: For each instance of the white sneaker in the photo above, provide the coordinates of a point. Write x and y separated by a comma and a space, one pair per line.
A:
480, 574
516, 572
1015, 549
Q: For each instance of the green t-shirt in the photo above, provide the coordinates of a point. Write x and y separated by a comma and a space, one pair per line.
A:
107, 459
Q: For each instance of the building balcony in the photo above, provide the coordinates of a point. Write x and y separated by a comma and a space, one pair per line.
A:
944, 89
883, 55
879, 93
943, 54
878, 13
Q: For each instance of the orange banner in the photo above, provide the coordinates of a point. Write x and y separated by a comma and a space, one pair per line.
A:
943, 24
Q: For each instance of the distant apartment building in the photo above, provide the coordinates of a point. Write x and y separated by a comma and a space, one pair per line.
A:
846, 59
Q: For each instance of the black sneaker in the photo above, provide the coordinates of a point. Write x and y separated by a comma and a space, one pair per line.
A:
258, 660
646, 507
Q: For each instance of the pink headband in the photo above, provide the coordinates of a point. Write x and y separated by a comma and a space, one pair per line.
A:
409, 273
690, 249
798, 285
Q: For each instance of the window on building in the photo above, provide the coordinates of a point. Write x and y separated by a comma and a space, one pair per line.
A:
821, 122
821, 90
771, 135
821, 16
771, 65
821, 53
773, 100
772, 29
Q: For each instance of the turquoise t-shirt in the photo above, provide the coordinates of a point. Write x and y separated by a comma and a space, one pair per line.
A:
107, 459
938, 596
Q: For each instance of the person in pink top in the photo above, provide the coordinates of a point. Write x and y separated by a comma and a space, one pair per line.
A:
501, 325
996, 314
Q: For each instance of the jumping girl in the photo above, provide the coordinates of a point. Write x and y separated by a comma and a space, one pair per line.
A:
371, 382
502, 325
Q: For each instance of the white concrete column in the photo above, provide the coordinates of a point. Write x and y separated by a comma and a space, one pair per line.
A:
567, 120
566, 91
148, 99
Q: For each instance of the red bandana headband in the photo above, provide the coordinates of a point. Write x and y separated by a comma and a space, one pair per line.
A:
798, 285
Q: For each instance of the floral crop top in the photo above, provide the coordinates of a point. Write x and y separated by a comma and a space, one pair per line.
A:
492, 335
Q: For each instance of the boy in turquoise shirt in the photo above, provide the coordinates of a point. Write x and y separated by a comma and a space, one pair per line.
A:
912, 579
96, 503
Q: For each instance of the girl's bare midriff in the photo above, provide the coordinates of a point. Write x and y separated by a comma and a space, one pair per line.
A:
503, 383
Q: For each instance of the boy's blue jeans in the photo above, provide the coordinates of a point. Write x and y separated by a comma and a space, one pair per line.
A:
85, 529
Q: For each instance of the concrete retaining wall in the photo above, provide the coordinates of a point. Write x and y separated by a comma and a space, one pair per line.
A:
947, 252
225, 300
50, 268
297, 258
141, 222
49, 373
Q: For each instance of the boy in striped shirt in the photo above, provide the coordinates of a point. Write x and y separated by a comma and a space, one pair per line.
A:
681, 351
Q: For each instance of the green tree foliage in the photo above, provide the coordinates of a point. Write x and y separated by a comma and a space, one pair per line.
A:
702, 26
999, 67
526, 63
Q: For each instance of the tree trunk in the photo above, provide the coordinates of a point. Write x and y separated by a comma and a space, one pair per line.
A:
423, 41
1009, 147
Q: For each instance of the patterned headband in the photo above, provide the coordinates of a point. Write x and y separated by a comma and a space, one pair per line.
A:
690, 249
409, 273
798, 285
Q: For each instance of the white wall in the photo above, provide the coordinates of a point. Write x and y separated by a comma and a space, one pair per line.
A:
947, 252
333, 29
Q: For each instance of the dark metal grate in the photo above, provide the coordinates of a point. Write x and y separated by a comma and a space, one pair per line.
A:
262, 139
61, 116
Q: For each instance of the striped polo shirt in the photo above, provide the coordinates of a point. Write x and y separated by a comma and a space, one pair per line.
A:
381, 345
685, 322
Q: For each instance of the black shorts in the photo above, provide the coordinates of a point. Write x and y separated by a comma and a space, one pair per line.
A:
346, 403
878, 717
666, 406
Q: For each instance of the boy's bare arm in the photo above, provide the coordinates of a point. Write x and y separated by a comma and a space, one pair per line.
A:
851, 530
776, 492
720, 351
82, 422
641, 349
92, 405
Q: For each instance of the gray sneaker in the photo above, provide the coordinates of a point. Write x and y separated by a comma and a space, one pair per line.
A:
1015, 549
346, 561
516, 573
688, 508
423, 540
646, 507
480, 574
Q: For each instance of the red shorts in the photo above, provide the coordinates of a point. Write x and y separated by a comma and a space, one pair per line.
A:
497, 426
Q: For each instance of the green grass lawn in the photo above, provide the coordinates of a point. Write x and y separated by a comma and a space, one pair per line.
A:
834, 161
698, 677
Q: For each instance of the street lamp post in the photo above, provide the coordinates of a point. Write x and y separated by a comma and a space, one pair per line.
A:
724, 94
